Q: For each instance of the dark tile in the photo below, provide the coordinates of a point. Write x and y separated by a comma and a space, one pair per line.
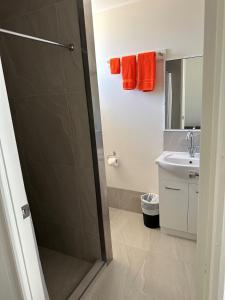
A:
92, 249
48, 102
44, 127
13, 9
54, 194
62, 272
39, 74
68, 240
68, 25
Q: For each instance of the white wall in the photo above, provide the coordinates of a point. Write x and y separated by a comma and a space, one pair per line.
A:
100, 5
133, 122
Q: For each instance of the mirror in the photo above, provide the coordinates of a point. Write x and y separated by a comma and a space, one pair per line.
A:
184, 78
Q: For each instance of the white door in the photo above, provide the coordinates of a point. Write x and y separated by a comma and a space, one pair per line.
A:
14, 198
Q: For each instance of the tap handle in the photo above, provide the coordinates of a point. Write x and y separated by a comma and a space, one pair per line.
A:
189, 135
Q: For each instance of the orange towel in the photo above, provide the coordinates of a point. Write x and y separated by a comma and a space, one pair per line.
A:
115, 65
129, 72
146, 71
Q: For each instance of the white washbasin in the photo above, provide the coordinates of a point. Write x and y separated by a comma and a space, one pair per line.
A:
180, 163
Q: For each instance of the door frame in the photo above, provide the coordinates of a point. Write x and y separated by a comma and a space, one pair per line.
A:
211, 217
211, 225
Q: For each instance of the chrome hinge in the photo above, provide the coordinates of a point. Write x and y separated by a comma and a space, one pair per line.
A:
25, 211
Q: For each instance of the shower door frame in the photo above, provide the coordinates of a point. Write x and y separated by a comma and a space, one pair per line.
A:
89, 65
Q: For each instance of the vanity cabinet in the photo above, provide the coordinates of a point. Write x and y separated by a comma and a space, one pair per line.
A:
178, 205
193, 208
173, 205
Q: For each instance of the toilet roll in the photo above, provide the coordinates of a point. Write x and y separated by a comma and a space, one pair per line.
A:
113, 161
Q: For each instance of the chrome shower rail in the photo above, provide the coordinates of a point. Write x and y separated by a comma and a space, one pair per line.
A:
70, 47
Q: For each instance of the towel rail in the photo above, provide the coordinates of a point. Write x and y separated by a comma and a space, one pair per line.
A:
70, 47
160, 56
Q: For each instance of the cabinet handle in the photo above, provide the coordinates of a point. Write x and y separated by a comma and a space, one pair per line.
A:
193, 174
172, 189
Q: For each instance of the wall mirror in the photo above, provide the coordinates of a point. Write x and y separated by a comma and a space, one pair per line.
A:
184, 78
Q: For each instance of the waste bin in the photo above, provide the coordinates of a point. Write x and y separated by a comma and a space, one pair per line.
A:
150, 209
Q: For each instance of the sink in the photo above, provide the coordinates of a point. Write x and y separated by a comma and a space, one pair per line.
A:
180, 164
182, 159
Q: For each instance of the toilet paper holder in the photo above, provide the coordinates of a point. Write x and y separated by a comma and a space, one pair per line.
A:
113, 154
113, 160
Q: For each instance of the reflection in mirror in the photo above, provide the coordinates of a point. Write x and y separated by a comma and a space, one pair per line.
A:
184, 93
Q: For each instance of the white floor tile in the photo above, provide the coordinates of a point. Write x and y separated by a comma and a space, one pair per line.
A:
148, 264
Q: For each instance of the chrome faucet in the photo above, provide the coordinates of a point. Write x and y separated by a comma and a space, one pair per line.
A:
191, 147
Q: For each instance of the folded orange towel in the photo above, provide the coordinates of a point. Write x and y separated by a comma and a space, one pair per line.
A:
129, 72
115, 65
146, 71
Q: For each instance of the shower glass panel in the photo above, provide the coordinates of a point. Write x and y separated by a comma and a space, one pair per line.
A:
47, 97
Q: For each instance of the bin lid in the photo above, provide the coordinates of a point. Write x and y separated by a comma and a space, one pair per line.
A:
150, 198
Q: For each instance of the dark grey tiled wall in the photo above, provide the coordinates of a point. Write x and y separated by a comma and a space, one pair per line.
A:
48, 102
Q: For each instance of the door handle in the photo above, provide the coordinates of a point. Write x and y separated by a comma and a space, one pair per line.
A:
172, 189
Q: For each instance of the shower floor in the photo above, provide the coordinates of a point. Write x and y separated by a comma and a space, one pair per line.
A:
62, 273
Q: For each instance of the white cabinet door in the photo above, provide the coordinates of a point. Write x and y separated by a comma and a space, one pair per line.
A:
13, 197
173, 205
193, 208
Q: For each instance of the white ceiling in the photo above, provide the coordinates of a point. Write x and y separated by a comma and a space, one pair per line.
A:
99, 5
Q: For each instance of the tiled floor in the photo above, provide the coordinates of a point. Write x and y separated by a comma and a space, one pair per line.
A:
148, 265
62, 272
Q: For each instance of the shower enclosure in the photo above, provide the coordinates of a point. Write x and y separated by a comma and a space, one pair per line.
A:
53, 99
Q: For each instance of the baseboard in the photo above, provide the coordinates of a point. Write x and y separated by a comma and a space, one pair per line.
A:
124, 199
